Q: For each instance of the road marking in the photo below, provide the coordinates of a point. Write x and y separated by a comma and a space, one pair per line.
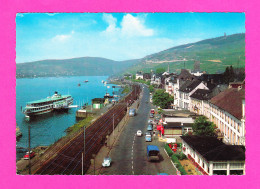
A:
133, 172
132, 167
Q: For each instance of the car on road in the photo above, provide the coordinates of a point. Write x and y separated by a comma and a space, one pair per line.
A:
148, 137
139, 133
152, 111
132, 112
106, 162
150, 121
26, 156
153, 153
149, 127
151, 116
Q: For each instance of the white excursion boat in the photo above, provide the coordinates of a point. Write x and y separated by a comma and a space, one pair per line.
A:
55, 102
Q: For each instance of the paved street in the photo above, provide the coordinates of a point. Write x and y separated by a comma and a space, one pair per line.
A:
129, 154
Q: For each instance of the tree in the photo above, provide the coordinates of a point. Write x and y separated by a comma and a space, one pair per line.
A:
160, 70
162, 99
203, 127
229, 75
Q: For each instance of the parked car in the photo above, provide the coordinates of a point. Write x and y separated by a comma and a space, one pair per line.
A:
152, 111
106, 162
151, 116
26, 156
139, 133
148, 137
149, 127
150, 121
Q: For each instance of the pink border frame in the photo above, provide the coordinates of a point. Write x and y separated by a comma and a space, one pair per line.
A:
8, 10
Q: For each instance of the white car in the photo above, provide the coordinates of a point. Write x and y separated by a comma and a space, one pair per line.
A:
107, 162
150, 121
139, 133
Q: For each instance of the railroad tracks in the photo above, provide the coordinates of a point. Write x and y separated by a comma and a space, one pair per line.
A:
68, 160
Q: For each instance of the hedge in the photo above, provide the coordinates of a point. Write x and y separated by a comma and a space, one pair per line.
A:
178, 164
168, 150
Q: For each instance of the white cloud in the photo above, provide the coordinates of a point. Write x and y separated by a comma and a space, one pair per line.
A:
134, 26
62, 37
130, 26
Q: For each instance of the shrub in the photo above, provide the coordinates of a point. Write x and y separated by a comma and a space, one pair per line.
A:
178, 164
182, 156
168, 150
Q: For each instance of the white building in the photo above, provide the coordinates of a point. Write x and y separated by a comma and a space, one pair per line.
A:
213, 157
227, 111
139, 75
186, 90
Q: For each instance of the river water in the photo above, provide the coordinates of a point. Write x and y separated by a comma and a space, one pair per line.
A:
48, 128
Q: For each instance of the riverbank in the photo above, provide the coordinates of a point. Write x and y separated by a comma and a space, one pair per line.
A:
51, 151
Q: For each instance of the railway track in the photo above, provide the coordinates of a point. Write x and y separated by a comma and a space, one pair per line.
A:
68, 160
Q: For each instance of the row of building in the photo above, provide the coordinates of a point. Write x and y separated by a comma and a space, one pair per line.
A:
221, 103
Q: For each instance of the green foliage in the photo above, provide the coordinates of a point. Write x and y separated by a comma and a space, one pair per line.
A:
160, 70
151, 88
168, 150
162, 99
126, 90
203, 127
178, 164
79, 125
229, 75
214, 54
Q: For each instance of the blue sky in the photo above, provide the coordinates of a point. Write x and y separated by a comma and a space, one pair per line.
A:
116, 36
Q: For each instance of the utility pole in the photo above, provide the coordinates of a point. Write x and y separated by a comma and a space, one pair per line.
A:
113, 126
84, 141
82, 168
29, 148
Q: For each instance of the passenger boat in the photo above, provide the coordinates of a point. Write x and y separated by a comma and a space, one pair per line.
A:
86, 81
55, 102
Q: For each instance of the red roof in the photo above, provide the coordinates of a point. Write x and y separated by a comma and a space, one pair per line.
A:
230, 100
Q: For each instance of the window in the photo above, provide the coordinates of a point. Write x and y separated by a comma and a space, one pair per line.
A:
236, 165
219, 165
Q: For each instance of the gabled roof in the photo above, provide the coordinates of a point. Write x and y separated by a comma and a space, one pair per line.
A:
185, 85
230, 100
215, 78
201, 94
186, 75
213, 149
190, 87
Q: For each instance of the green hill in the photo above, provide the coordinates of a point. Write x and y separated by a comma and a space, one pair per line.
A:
214, 55
91, 66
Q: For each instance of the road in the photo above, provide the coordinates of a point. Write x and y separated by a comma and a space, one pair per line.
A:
129, 154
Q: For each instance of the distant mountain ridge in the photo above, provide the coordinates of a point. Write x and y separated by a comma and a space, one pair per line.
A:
214, 54
91, 66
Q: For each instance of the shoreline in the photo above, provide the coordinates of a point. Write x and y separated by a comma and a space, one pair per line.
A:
70, 133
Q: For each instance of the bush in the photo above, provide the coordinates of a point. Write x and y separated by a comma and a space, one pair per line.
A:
178, 164
168, 150
182, 156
